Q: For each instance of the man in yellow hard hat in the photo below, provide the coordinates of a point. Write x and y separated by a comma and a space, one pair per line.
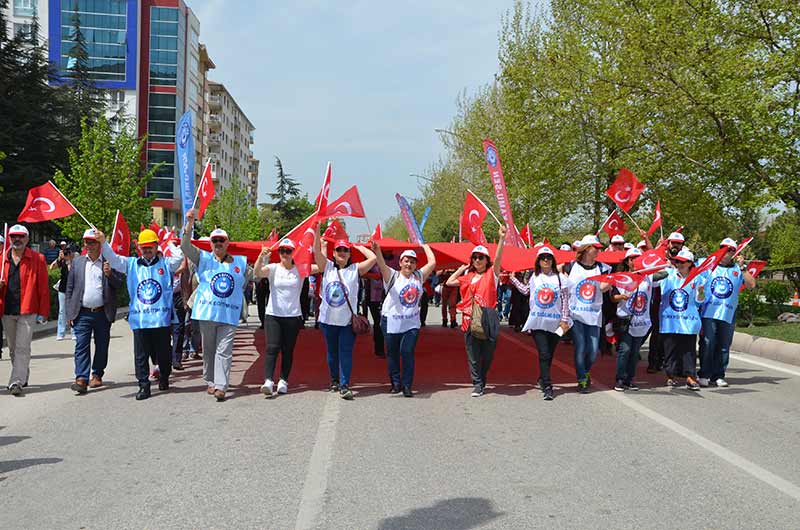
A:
150, 310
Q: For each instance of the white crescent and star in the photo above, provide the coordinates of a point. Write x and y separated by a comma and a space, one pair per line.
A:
46, 201
653, 263
344, 208
203, 188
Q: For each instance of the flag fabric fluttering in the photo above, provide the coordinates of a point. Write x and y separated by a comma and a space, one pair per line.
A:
709, 264
321, 202
495, 167
652, 258
625, 189
206, 191
656, 220
121, 238
45, 203
527, 235
376, 234
624, 280
273, 237
335, 232
348, 205
614, 225
472, 217
303, 237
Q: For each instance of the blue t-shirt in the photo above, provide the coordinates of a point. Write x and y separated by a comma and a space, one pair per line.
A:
679, 306
722, 292
220, 291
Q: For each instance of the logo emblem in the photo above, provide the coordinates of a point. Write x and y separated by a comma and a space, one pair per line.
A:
679, 300
491, 156
161, 271
184, 133
335, 294
638, 304
148, 291
409, 295
721, 287
237, 270
222, 284
545, 297
585, 291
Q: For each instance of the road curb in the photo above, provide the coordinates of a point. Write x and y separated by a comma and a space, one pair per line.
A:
777, 350
51, 326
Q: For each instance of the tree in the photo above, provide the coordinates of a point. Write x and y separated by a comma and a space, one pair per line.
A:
294, 211
231, 211
783, 236
87, 98
105, 174
286, 188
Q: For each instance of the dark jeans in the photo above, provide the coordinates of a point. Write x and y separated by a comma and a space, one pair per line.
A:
479, 355
339, 341
178, 330
586, 340
628, 357
400, 351
83, 327
679, 354
262, 292
377, 328
655, 355
423, 307
546, 343
717, 338
281, 337
151, 343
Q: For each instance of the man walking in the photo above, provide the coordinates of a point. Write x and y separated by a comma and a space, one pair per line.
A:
91, 308
24, 297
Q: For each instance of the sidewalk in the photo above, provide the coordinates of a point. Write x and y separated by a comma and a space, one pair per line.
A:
777, 350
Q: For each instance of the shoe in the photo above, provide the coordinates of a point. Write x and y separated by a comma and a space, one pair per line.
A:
95, 381
59, 339
267, 387
380, 354
652, 370
395, 389
477, 391
444, 323
163, 384
79, 386
72, 337
619, 386
334, 386
211, 390
721, 383
671, 382
453, 324
15, 389
346, 393
703, 381
220, 395
184, 357
547, 394
283, 387
691, 384
196, 356
407, 392
583, 387
632, 386
588, 379
177, 366
143, 393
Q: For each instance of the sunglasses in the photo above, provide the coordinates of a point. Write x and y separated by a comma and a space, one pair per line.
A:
218, 240
284, 251
16, 236
546, 256
343, 249
478, 257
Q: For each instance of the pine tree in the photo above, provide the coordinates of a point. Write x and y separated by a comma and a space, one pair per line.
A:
286, 188
87, 98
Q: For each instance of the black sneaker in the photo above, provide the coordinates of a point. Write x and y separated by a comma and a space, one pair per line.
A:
15, 389
453, 324
632, 386
444, 323
619, 386
407, 392
691, 384
346, 393
477, 391
672, 383
583, 387
334, 387
143, 393
548, 393
163, 384
395, 389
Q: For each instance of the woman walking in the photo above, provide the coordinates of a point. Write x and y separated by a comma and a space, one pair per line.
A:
283, 318
548, 317
480, 321
401, 310
339, 294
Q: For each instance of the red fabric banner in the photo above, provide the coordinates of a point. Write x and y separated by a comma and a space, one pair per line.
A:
45, 203
500, 191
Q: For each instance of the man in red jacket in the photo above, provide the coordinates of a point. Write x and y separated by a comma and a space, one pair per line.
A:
24, 297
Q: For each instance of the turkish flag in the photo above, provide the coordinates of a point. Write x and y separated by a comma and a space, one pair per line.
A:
472, 219
273, 237
348, 205
121, 238
322, 197
656, 220
710, 263
656, 257
614, 225
741, 246
335, 232
303, 237
754, 267
44, 203
376, 235
526, 235
623, 280
625, 190
207, 190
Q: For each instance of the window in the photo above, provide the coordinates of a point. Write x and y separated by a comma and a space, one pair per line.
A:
154, 157
23, 30
103, 24
162, 100
24, 8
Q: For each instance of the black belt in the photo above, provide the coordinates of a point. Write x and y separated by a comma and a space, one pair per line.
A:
93, 309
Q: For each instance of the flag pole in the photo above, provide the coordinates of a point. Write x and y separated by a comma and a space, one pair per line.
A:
604, 223
631, 218
487, 208
367, 222
73, 206
5, 249
114, 230
197, 191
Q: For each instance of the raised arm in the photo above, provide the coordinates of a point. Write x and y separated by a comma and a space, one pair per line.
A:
749, 279
386, 272
189, 250
261, 266
498, 255
452, 281
522, 287
368, 263
319, 257
428, 268
117, 262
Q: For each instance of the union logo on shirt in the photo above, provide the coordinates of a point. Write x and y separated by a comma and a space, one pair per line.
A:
335, 294
586, 291
721, 287
545, 297
638, 303
409, 295
679, 300
148, 291
222, 284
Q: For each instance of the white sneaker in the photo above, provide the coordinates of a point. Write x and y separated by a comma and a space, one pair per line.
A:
283, 387
267, 387
703, 381
721, 382
71, 337
59, 338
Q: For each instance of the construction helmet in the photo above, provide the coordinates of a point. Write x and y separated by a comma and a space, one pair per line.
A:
147, 237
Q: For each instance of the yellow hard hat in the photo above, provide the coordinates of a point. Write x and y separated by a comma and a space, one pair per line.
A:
147, 237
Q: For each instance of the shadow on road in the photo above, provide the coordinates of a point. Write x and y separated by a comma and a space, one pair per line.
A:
451, 514
13, 465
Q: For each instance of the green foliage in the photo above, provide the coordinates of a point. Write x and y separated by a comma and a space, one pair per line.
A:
749, 306
105, 174
776, 294
286, 188
783, 236
231, 211
286, 217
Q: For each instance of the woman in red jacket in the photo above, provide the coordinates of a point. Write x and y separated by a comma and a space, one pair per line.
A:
479, 294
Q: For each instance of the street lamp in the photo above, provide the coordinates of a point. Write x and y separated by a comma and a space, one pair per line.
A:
420, 177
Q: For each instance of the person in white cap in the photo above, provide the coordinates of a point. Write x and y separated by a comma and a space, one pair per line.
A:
585, 305
617, 243
680, 320
566, 247
718, 313
576, 245
642, 245
480, 321
91, 309
217, 304
549, 317
400, 313
628, 246
24, 299
675, 242
339, 300
283, 318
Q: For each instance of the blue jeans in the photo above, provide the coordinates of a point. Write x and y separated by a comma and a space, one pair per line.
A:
339, 341
628, 357
504, 300
400, 350
716, 351
61, 330
586, 340
83, 327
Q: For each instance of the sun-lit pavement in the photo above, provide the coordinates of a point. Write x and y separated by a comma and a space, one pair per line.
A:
657, 458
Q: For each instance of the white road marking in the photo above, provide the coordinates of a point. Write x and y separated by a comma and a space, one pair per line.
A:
771, 366
312, 500
754, 470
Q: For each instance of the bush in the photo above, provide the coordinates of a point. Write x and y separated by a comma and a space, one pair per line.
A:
776, 294
749, 306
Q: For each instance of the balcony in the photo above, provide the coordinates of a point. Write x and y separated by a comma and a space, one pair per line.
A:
214, 140
214, 102
214, 122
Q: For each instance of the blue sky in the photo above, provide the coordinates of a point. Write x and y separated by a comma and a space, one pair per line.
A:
360, 83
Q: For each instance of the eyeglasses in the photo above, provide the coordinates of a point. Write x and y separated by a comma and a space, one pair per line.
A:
284, 251
478, 257
218, 240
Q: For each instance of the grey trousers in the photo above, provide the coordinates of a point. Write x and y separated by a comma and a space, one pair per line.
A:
19, 331
217, 353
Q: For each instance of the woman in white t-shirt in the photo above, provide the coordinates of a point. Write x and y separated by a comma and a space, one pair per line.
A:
400, 320
339, 301
283, 317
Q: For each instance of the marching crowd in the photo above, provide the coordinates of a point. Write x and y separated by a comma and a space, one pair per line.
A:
193, 300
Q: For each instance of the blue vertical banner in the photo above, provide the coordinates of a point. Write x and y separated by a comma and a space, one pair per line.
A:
414, 233
424, 218
184, 159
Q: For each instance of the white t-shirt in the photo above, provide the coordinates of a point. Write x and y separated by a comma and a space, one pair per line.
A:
401, 305
284, 291
333, 309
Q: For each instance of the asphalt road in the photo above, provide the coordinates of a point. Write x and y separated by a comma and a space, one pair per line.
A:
657, 458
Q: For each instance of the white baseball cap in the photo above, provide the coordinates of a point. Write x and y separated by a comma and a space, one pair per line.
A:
286, 243
480, 249
633, 252
591, 239
545, 250
2, 239
576, 244
410, 254
685, 255
565, 247
676, 237
539, 244
617, 239
218, 232
89, 233
728, 242
629, 246
641, 244
18, 230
